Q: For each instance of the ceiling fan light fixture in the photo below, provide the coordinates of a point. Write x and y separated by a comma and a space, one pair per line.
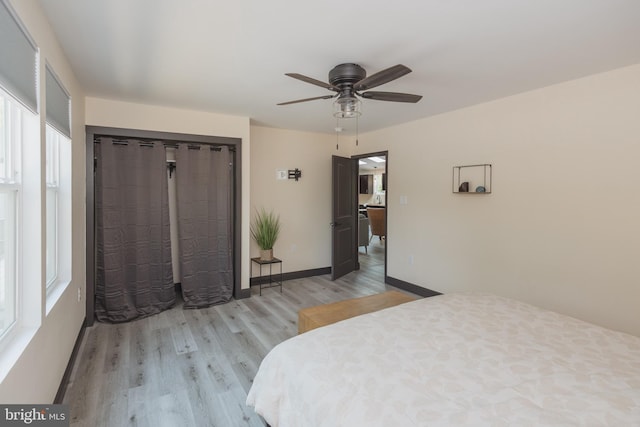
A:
347, 107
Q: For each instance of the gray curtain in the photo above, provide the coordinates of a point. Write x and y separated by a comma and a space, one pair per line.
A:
134, 275
204, 193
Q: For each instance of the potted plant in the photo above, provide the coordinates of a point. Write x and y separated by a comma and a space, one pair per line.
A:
264, 230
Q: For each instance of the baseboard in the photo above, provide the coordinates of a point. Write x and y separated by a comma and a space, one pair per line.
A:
410, 287
244, 293
291, 275
72, 360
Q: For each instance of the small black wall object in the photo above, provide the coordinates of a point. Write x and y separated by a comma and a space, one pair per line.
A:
464, 187
295, 174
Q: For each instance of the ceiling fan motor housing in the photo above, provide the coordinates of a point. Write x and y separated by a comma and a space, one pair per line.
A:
346, 75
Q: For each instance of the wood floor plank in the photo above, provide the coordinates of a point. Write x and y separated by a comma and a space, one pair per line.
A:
137, 400
195, 367
203, 324
83, 391
181, 333
141, 343
234, 409
172, 410
113, 410
229, 315
202, 387
265, 331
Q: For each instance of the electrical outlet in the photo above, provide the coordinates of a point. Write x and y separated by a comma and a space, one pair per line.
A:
410, 259
79, 294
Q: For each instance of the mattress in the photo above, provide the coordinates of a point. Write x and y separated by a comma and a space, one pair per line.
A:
452, 360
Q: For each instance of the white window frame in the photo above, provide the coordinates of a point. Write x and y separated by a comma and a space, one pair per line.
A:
63, 228
58, 230
52, 182
10, 181
16, 78
28, 235
25, 181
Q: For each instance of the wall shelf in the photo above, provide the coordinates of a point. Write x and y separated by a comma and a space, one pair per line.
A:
472, 179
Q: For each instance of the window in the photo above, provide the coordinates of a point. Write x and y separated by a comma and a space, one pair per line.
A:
20, 181
58, 209
377, 184
58, 186
11, 126
53, 187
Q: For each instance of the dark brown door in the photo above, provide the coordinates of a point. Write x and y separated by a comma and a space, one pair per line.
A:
344, 250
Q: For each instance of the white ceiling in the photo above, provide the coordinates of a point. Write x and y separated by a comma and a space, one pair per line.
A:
368, 164
230, 56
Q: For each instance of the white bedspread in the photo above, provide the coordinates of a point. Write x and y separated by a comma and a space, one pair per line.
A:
452, 360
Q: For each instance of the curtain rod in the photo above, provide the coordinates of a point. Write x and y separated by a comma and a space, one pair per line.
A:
167, 143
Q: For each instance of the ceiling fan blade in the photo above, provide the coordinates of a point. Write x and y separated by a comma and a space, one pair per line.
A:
306, 99
391, 96
382, 77
312, 81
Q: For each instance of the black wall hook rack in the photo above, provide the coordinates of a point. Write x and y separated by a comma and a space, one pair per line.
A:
295, 174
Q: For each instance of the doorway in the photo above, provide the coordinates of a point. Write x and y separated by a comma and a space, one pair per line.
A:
372, 213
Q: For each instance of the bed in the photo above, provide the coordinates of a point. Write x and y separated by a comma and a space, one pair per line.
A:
452, 360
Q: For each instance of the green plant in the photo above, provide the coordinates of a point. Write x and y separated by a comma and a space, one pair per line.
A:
265, 229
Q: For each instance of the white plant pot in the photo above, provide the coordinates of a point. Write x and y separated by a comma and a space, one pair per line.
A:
266, 254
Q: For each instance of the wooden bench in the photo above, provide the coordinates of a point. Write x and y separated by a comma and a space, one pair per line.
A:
326, 314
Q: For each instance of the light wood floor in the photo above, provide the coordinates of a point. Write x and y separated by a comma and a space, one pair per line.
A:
195, 367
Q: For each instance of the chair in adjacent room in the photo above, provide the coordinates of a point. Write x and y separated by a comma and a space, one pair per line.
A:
363, 231
377, 222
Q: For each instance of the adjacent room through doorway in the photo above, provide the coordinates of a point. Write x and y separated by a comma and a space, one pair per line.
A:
359, 215
372, 213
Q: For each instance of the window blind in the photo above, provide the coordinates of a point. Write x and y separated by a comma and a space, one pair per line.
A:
58, 104
18, 67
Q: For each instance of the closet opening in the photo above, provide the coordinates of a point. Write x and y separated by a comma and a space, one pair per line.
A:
198, 179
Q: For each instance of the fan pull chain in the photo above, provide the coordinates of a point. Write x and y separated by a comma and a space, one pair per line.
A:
337, 132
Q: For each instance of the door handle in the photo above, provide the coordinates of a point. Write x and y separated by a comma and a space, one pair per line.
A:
334, 224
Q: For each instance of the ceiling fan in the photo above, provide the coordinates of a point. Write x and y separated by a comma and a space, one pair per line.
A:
349, 81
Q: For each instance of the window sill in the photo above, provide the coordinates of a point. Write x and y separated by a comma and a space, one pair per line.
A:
12, 349
54, 292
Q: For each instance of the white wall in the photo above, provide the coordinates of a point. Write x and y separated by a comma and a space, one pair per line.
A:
33, 374
561, 229
304, 206
108, 113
